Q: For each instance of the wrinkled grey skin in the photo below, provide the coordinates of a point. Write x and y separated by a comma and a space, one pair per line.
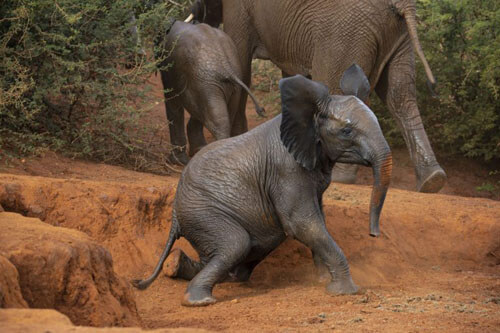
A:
322, 38
239, 198
205, 79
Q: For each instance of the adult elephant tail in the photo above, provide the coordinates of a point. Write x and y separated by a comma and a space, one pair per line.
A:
172, 237
409, 12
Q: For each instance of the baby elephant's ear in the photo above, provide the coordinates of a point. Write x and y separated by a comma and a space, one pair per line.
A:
354, 82
301, 99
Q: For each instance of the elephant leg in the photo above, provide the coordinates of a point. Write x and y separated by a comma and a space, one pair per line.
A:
175, 117
181, 266
224, 257
217, 118
285, 75
195, 135
397, 89
239, 123
327, 252
238, 27
242, 272
321, 268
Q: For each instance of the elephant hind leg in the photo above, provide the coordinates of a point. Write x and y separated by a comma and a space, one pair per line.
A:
242, 272
216, 116
225, 256
195, 136
180, 266
397, 89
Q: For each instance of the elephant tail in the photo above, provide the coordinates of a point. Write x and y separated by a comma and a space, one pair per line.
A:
409, 12
260, 110
172, 237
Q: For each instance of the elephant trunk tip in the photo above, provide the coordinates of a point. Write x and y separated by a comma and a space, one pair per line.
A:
374, 231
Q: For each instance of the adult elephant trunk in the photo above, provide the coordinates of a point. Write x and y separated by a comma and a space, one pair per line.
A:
382, 168
407, 9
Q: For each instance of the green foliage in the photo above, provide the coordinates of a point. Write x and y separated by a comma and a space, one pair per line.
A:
72, 78
265, 77
461, 39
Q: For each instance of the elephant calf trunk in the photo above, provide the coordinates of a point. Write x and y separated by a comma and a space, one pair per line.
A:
382, 170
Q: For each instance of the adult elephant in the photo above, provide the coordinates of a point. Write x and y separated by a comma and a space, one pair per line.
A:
323, 38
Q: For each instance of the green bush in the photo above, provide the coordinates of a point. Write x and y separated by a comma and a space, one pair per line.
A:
461, 40
71, 77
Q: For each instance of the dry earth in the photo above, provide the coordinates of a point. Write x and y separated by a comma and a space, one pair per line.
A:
435, 268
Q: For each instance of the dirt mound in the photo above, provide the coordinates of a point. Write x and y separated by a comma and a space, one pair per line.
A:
130, 219
436, 260
63, 269
10, 292
35, 320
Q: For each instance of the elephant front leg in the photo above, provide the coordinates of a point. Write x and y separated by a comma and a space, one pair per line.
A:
315, 236
397, 89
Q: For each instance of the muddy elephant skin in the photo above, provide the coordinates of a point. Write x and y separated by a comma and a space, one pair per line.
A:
239, 198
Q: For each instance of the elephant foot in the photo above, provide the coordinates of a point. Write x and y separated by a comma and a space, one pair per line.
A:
342, 287
323, 275
178, 157
431, 180
198, 297
344, 173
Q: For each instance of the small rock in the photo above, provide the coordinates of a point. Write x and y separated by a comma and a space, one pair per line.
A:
363, 300
35, 210
322, 315
495, 300
414, 299
357, 320
234, 300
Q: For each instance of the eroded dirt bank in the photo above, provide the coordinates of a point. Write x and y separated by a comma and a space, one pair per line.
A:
435, 267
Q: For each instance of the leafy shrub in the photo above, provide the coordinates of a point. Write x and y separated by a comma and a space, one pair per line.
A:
461, 40
72, 79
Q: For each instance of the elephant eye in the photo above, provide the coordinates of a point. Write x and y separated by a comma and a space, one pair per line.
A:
346, 131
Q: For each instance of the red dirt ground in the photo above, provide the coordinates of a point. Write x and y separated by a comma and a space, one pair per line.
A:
435, 268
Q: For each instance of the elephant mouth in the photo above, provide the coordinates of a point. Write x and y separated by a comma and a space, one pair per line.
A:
354, 157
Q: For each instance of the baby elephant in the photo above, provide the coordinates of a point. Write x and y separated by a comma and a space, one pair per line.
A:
205, 79
239, 198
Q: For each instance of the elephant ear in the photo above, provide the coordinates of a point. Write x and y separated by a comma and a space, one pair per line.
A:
301, 100
354, 82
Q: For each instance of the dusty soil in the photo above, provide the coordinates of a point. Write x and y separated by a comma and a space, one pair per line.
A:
64, 269
436, 266
37, 320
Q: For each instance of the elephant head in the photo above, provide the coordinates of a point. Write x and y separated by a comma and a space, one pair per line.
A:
206, 11
316, 125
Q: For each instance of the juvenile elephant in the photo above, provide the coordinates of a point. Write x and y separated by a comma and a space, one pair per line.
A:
322, 38
205, 79
239, 198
